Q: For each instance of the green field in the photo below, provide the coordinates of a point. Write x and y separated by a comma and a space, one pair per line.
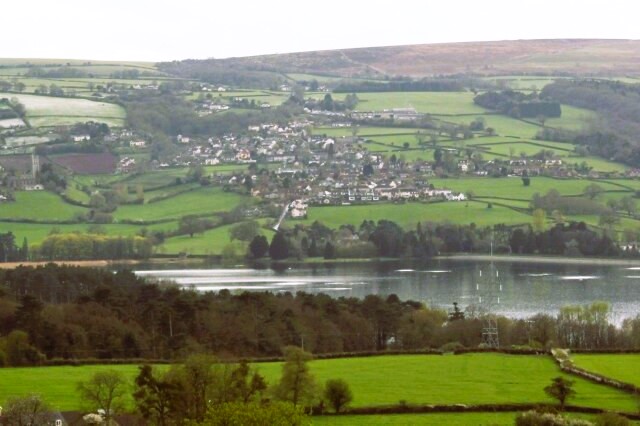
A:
512, 187
46, 111
572, 118
39, 205
209, 242
201, 201
502, 124
457, 419
364, 131
409, 214
36, 232
435, 419
416, 379
623, 367
428, 102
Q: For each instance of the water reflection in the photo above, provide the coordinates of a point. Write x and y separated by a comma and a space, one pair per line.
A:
513, 289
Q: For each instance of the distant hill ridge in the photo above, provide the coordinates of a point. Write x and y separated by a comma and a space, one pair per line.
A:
571, 56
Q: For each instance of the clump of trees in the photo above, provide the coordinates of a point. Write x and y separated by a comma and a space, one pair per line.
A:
387, 239
77, 246
423, 85
518, 104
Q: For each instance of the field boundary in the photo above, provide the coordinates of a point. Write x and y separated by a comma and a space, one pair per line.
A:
465, 408
564, 362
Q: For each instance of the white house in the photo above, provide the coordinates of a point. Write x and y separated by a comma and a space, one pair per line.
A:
80, 138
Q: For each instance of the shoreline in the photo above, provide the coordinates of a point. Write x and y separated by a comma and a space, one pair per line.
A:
96, 263
530, 259
541, 259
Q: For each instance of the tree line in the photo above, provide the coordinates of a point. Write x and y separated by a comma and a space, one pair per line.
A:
518, 104
611, 136
388, 239
424, 85
68, 314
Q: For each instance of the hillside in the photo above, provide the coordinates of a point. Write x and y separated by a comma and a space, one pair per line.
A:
575, 56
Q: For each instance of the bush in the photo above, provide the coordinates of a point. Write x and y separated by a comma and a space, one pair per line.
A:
534, 418
338, 394
451, 347
612, 419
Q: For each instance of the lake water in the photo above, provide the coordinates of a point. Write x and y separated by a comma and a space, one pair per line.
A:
513, 289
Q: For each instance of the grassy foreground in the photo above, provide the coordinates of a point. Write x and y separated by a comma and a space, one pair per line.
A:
622, 367
416, 379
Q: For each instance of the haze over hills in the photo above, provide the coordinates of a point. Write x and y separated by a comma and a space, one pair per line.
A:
575, 56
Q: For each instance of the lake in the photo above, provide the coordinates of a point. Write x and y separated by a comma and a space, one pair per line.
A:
509, 288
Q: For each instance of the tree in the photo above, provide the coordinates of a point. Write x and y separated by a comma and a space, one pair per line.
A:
297, 384
329, 251
593, 190
154, 396
628, 204
191, 224
608, 219
437, 155
105, 391
560, 389
259, 246
245, 383
279, 249
28, 410
337, 392
526, 180
327, 102
539, 220
244, 231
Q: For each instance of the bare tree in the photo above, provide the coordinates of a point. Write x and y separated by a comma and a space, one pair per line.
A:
28, 410
104, 391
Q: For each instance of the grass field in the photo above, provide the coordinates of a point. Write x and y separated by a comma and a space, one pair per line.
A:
435, 419
417, 379
573, 118
201, 201
428, 102
209, 242
39, 205
45, 111
512, 187
409, 214
363, 131
502, 124
35, 232
623, 367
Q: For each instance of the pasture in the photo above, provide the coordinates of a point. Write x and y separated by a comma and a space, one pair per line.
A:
47, 111
209, 242
435, 419
512, 187
427, 102
623, 367
204, 201
408, 215
382, 380
35, 233
39, 205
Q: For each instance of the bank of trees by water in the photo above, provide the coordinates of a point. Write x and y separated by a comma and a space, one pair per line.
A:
67, 313
387, 239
